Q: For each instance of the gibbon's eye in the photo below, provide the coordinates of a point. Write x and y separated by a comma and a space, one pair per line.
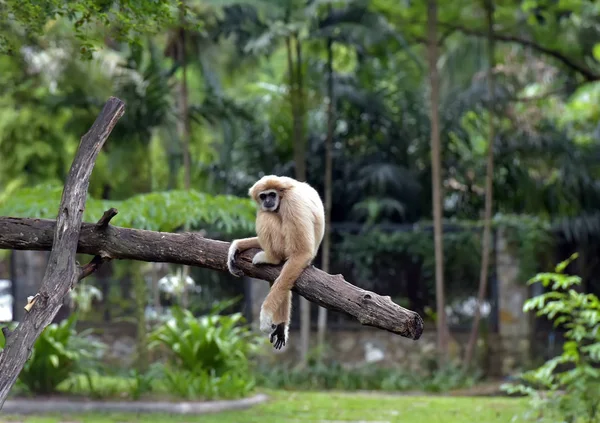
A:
262, 196
272, 194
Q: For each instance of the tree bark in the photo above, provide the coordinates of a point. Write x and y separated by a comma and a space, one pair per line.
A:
325, 249
487, 223
62, 273
330, 291
442, 329
186, 131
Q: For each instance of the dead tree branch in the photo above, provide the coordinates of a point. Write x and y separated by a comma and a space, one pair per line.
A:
62, 272
329, 291
98, 260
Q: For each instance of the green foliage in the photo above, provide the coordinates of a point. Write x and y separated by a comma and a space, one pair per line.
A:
373, 251
567, 386
208, 355
59, 353
333, 376
210, 342
127, 20
159, 382
207, 384
158, 211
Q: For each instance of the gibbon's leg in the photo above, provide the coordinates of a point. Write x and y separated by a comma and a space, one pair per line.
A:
236, 247
263, 258
275, 310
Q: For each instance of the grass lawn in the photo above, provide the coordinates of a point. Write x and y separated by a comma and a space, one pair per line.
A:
287, 407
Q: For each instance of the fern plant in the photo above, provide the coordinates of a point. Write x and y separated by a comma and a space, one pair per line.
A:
566, 386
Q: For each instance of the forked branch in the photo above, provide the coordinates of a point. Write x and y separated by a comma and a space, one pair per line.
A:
62, 272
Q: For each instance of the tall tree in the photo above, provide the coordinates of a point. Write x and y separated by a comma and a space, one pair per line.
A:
442, 328
297, 105
487, 224
322, 319
185, 129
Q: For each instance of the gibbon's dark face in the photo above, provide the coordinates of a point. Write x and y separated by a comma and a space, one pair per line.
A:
269, 200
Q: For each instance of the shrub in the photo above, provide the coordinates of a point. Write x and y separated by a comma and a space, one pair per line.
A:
566, 386
58, 354
210, 352
332, 375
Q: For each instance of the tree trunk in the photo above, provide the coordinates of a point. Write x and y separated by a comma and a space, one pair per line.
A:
185, 133
487, 224
141, 297
442, 329
300, 145
300, 160
322, 320
62, 271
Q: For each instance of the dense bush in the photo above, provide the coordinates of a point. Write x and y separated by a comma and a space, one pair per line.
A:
566, 387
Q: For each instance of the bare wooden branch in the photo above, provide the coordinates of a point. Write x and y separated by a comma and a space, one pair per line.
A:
98, 261
92, 266
62, 272
329, 291
106, 217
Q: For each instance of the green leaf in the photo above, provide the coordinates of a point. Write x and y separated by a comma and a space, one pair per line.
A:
54, 360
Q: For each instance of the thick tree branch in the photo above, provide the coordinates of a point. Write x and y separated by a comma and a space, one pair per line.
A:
329, 291
62, 272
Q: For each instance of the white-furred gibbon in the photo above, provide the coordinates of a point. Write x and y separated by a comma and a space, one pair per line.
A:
290, 223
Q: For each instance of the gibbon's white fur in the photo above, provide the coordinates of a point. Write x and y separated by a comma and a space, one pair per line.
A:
290, 223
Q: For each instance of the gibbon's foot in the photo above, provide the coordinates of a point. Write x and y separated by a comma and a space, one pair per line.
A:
259, 258
231, 256
266, 321
277, 337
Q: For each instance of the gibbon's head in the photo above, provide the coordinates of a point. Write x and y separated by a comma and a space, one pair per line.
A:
269, 191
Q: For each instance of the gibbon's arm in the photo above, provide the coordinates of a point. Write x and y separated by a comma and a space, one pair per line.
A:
236, 247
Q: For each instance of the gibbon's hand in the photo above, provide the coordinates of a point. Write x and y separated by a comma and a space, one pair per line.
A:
277, 337
231, 256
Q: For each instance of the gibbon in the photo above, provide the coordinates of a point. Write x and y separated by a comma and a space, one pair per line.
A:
290, 223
